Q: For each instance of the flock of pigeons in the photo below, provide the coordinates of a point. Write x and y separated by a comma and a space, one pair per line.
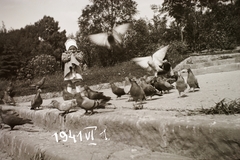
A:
137, 89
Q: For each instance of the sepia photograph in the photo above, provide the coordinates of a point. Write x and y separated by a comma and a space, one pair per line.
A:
119, 79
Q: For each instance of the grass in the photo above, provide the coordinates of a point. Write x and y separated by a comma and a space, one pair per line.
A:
92, 76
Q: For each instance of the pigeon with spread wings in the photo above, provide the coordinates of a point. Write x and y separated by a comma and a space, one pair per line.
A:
155, 62
111, 38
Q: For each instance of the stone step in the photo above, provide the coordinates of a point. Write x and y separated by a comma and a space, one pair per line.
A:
32, 143
199, 62
215, 69
153, 133
210, 63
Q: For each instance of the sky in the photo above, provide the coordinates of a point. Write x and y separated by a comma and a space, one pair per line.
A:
17, 14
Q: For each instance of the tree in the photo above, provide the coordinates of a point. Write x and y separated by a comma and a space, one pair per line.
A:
101, 16
8, 61
48, 35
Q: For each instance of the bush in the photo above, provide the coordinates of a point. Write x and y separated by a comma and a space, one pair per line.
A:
177, 52
43, 65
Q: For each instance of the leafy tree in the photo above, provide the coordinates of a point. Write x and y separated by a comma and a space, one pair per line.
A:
101, 16
8, 61
48, 34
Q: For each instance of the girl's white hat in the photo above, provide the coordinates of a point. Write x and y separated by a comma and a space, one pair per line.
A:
69, 43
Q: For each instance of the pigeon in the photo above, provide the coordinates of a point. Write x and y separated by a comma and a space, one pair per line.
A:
117, 90
192, 80
127, 85
10, 90
136, 91
39, 84
37, 100
166, 86
12, 118
148, 89
181, 85
66, 95
7, 99
65, 106
88, 104
91, 94
173, 78
155, 62
112, 38
148, 79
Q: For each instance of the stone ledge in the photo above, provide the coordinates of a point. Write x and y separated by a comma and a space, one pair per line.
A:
199, 137
27, 143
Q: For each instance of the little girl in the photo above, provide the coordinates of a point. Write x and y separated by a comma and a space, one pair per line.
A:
73, 65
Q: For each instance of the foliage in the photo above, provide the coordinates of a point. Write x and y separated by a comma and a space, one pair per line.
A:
195, 16
19, 46
197, 25
43, 64
8, 62
99, 17
92, 76
177, 52
224, 106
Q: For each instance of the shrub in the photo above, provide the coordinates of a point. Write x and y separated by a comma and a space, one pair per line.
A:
43, 65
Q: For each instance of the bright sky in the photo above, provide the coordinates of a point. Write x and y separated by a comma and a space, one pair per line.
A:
17, 14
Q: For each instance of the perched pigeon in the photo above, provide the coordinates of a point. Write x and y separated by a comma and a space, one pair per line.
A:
136, 91
12, 118
148, 89
117, 90
192, 80
148, 79
39, 84
164, 85
91, 94
127, 85
88, 104
155, 62
10, 89
37, 100
66, 95
65, 106
7, 99
181, 85
112, 38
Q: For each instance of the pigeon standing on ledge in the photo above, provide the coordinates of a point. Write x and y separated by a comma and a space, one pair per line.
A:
12, 119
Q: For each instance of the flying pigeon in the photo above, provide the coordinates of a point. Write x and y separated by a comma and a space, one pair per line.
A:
155, 62
111, 38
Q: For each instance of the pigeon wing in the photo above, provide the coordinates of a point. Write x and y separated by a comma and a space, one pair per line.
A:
99, 39
122, 29
143, 62
160, 55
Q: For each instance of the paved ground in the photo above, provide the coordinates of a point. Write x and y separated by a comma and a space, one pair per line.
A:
214, 87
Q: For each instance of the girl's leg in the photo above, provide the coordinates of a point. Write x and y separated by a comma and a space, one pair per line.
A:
78, 85
69, 87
